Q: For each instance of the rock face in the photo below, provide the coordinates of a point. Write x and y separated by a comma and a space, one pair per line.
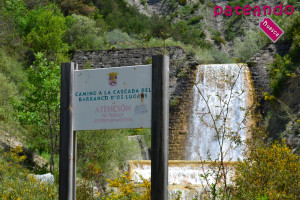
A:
282, 115
258, 65
182, 76
285, 113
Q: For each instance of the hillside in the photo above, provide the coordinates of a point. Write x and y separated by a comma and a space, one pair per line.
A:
37, 36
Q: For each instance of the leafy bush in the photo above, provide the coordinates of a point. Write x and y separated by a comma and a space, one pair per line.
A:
17, 10
252, 43
117, 37
47, 26
39, 107
127, 190
82, 33
188, 34
16, 181
279, 72
218, 38
231, 30
270, 172
110, 151
195, 20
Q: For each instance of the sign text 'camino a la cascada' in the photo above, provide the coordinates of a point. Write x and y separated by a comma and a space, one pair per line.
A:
112, 98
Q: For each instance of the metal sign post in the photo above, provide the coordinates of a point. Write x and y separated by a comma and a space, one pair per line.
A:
160, 127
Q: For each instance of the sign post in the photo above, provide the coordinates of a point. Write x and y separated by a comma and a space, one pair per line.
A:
115, 98
67, 157
160, 127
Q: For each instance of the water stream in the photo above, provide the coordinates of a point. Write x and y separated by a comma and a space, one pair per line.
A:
221, 97
224, 90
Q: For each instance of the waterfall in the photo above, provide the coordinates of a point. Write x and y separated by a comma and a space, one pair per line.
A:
225, 89
215, 82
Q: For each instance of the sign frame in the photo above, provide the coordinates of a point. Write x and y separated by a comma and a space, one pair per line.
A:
159, 131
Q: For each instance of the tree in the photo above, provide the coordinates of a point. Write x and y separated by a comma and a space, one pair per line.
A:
45, 32
40, 105
18, 12
82, 33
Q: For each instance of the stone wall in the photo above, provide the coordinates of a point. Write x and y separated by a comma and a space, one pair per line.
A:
280, 116
182, 74
258, 66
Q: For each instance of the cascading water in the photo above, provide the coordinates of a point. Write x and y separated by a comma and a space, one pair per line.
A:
224, 96
215, 82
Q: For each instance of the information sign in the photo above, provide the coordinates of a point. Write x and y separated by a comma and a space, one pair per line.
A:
112, 98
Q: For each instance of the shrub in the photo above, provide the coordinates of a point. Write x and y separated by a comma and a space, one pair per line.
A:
48, 26
82, 33
279, 71
253, 42
270, 172
109, 151
17, 10
118, 38
39, 108
128, 190
195, 20
17, 183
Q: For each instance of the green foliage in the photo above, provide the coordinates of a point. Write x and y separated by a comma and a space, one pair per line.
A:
46, 30
293, 33
182, 2
10, 40
7, 89
270, 172
16, 181
118, 38
195, 20
11, 68
79, 7
39, 107
143, 2
251, 44
218, 38
159, 27
231, 30
11, 76
18, 11
279, 72
241, 3
188, 34
186, 10
82, 33
108, 149
118, 15
284, 68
